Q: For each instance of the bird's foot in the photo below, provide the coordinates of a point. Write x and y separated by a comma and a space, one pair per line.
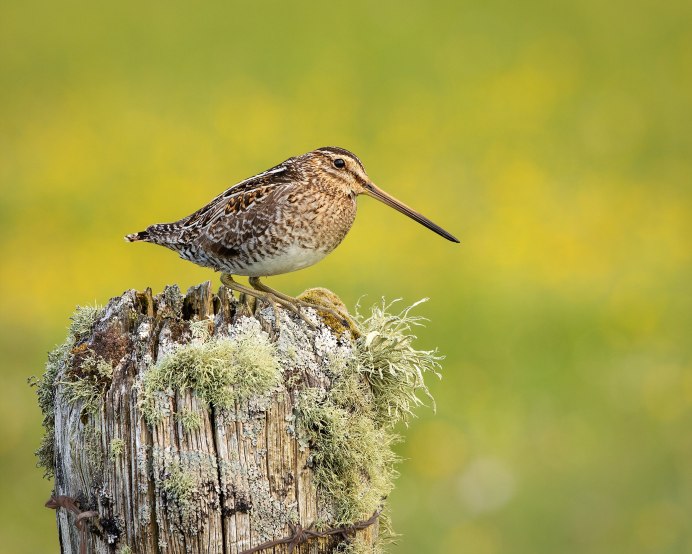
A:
270, 296
247, 297
262, 293
291, 307
339, 317
294, 304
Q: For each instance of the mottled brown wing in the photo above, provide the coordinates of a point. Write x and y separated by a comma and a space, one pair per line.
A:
242, 212
248, 189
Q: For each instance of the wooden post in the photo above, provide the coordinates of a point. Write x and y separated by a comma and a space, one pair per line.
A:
176, 424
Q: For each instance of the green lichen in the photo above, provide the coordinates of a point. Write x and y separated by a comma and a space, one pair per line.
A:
116, 447
45, 390
219, 370
190, 420
394, 369
183, 480
180, 486
202, 329
124, 549
352, 456
82, 322
88, 384
349, 428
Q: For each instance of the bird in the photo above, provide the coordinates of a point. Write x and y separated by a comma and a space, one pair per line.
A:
284, 219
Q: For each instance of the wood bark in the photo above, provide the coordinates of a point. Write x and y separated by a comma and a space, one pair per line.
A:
243, 475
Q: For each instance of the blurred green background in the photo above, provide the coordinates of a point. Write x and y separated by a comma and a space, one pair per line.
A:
553, 138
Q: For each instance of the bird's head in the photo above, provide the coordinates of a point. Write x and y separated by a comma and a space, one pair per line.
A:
346, 171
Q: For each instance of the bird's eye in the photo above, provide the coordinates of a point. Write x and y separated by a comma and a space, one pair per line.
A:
339, 163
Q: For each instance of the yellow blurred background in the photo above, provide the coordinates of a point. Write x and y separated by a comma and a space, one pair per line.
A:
554, 139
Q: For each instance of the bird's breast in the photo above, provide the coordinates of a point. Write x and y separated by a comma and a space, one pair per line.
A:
320, 221
284, 260
302, 234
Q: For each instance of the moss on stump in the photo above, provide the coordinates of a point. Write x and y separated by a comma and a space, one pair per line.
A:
182, 425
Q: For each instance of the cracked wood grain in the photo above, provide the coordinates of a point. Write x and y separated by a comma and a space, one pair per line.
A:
222, 484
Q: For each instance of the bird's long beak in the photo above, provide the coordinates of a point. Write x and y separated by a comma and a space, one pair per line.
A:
382, 196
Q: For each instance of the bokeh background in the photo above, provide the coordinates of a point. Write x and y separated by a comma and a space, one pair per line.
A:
553, 138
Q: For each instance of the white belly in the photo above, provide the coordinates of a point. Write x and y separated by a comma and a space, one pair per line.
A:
293, 259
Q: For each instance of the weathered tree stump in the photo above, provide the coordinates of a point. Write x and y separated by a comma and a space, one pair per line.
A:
184, 424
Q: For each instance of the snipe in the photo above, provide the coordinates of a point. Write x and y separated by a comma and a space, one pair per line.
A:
284, 219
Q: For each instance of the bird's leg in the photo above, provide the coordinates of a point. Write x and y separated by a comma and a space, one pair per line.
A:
286, 301
293, 303
228, 281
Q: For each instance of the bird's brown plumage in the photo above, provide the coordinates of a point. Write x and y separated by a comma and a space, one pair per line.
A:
281, 220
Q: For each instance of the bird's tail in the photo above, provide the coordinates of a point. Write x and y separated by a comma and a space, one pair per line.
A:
160, 233
134, 237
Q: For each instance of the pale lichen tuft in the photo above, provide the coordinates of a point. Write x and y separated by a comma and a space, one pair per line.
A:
116, 448
394, 369
190, 420
82, 322
88, 383
349, 427
180, 489
219, 370
352, 455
